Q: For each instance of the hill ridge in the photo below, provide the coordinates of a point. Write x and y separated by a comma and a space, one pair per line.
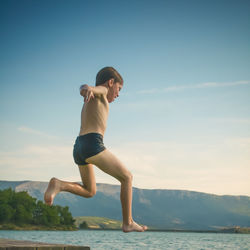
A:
160, 208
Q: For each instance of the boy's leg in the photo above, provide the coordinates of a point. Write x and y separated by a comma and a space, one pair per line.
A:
108, 163
87, 190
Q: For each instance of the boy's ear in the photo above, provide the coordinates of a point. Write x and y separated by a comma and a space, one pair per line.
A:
111, 82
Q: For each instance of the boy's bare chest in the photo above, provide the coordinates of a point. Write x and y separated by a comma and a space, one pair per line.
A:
96, 109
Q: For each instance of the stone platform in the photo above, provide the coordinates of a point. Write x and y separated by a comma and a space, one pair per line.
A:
9, 244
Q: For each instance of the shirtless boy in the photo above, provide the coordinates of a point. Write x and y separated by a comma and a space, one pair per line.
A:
89, 149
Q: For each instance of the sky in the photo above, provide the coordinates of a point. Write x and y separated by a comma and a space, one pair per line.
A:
182, 120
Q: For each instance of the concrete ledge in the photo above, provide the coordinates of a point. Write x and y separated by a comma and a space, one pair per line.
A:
9, 244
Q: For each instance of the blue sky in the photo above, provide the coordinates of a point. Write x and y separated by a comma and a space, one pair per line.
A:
182, 120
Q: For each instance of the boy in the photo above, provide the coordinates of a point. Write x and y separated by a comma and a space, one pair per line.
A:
89, 149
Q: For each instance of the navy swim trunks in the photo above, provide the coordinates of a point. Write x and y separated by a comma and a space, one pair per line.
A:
86, 146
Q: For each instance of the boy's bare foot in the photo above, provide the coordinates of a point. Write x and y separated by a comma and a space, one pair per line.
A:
133, 227
52, 190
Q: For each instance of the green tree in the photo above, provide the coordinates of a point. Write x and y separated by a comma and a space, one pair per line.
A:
6, 196
65, 216
84, 225
6, 213
39, 217
52, 215
20, 208
23, 204
22, 215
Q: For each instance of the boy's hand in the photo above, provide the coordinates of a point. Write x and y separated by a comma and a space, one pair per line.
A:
87, 92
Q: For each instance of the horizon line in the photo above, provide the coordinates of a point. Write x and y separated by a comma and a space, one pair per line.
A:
134, 187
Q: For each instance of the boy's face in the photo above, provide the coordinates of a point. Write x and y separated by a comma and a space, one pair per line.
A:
114, 89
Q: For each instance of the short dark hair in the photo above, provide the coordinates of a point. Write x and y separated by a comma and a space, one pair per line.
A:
106, 74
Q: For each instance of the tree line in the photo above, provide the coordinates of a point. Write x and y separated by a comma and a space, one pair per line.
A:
20, 208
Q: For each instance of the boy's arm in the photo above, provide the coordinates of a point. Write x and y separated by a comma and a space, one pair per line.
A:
89, 92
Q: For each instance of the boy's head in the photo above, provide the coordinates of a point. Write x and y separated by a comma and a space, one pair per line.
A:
106, 74
110, 78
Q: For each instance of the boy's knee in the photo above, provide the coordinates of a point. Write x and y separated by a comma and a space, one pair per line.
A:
91, 193
127, 177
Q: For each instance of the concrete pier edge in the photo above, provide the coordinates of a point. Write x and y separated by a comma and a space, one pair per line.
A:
10, 244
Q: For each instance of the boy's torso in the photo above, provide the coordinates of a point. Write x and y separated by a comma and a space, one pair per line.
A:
94, 116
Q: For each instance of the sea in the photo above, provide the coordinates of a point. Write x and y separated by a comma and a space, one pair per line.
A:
148, 240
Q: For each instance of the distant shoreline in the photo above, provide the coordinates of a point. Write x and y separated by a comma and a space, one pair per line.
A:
102, 223
224, 231
28, 227
12, 227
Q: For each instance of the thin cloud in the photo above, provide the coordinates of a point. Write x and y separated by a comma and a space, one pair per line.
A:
232, 120
194, 86
223, 84
149, 91
153, 164
38, 162
167, 165
31, 131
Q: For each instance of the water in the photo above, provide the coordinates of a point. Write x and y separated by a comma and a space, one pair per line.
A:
147, 240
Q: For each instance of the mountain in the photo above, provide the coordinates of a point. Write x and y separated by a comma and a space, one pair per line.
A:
162, 209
